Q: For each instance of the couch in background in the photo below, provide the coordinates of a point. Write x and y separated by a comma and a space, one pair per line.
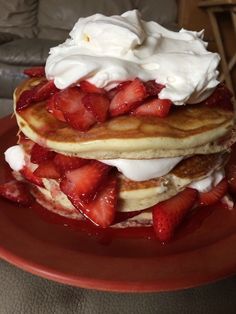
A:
28, 28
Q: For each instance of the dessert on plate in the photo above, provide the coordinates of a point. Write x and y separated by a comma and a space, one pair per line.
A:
126, 126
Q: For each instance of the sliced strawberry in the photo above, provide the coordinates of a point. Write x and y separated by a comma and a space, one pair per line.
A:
128, 98
98, 105
231, 176
87, 87
17, 192
153, 88
168, 214
47, 169
154, 107
221, 97
40, 92
112, 92
64, 163
69, 101
101, 210
85, 181
25, 99
44, 90
31, 177
35, 72
51, 107
40, 154
215, 194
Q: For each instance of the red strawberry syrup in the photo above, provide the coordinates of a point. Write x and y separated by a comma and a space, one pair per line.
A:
192, 223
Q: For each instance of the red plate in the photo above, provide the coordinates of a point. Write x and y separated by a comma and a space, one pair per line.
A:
202, 252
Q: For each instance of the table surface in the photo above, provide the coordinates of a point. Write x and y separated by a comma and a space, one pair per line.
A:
21, 292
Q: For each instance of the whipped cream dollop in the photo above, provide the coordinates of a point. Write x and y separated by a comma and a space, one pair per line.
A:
206, 184
107, 50
146, 169
15, 157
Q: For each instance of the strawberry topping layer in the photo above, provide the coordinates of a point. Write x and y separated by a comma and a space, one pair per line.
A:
44, 90
83, 105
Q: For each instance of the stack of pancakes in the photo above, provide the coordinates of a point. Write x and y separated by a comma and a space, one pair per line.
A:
200, 134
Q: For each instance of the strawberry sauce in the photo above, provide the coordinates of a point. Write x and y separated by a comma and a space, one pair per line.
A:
189, 226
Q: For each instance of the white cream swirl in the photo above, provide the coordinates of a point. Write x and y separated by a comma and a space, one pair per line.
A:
106, 50
146, 169
15, 157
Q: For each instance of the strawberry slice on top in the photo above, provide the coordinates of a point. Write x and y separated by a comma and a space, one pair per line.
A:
168, 215
87, 87
25, 100
98, 105
101, 210
40, 92
215, 194
154, 107
16, 191
51, 108
112, 92
44, 90
127, 98
221, 96
85, 181
153, 88
69, 101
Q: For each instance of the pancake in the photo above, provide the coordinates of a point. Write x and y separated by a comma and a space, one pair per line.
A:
191, 129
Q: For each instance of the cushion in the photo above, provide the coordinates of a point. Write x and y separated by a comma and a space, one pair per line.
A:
10, 77
26, 51
57, 17
6, 37
18, 17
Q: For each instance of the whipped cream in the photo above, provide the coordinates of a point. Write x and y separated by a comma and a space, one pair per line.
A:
136, 170
146, 169
107, 50
14, 156
206, 184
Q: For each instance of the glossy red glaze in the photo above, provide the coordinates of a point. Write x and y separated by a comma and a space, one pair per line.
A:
202, 251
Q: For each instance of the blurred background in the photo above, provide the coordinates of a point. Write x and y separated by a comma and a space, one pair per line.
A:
28, 28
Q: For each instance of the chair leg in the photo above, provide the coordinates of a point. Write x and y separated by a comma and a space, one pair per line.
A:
217, 35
